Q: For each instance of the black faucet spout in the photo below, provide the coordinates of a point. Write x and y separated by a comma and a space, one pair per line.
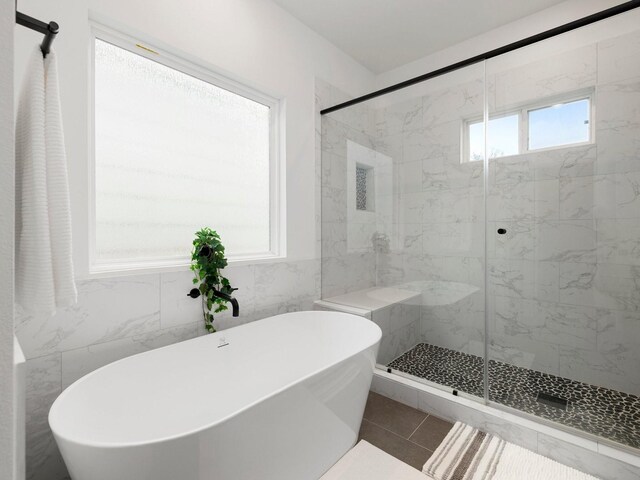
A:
195, 293
230, 299
235, 307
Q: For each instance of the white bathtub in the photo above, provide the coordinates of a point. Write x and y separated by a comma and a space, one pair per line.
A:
283, 400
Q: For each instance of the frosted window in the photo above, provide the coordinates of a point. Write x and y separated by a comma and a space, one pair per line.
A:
503, 138
561, 124
173, 154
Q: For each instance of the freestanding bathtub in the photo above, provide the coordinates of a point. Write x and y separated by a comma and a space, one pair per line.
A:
281, 398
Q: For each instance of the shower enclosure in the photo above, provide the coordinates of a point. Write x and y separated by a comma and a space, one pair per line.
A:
488, 220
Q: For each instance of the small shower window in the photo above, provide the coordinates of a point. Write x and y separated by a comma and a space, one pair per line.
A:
559, 124
552, 123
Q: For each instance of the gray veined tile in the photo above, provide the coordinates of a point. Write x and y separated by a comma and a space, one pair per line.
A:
334, 239
334, 171
412, 238
411, 207
564, 162
517, 243
391, 146
511, 202
43, 386
563, 325
454, 239
617, 126
618, 344
421, 267
395, 391
627, 195
609, 370
506, 278
400, 117
510, 170
360, 118
284, 281
618, 149
440, 144
577, 198
79, 362
610, 286
176, 308
584, 460
360, 237
618, 105
523, 279
617, 58
334, 136
410, 176
547, 200
619, 241
334, 205
565, 241
390, 269
43, 459
453, 205
561, 73
454, 103
107, 309
525, 353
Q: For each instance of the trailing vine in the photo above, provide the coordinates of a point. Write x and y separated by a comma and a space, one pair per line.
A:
207, 260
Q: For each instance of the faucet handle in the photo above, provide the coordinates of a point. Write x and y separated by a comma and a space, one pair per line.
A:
194, 293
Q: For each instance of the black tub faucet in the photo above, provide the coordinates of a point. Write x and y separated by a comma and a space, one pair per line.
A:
195, 293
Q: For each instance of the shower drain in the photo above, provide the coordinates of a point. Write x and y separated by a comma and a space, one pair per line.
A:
552, 400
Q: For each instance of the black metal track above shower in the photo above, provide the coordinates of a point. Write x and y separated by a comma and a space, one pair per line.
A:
567, 27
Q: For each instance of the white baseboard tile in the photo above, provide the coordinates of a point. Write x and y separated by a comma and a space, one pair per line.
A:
394, 390
585, 460
582, 453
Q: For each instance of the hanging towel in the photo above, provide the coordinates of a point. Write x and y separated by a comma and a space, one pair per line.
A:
44, 265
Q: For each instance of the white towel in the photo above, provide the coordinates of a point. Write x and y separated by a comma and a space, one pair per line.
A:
44, 265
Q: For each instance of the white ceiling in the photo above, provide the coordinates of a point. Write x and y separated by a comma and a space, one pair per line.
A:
385, 34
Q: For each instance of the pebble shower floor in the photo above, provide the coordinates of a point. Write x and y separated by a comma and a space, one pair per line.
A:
600, 411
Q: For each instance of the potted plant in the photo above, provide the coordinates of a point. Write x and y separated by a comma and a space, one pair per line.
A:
207, 261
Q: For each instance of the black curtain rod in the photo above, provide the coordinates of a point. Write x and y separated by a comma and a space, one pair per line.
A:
50, 30
567, 27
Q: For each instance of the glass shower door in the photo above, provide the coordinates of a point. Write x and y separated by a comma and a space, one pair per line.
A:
403, 227
563, 232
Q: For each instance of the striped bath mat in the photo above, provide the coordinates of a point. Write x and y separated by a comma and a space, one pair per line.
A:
469, 454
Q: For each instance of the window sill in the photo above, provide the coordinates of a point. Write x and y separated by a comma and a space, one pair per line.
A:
130, 269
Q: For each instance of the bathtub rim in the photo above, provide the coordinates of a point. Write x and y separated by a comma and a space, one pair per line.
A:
195, 431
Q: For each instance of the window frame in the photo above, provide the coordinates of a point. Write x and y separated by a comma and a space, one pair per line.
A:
522, 111
183, 63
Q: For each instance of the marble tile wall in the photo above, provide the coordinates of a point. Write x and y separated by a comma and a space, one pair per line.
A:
400, 325
118, 317
440, 214
563, 281
348, 254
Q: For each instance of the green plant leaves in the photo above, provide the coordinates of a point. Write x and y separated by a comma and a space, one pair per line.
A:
207, 260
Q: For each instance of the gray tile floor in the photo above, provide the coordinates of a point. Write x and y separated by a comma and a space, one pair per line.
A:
404, 432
